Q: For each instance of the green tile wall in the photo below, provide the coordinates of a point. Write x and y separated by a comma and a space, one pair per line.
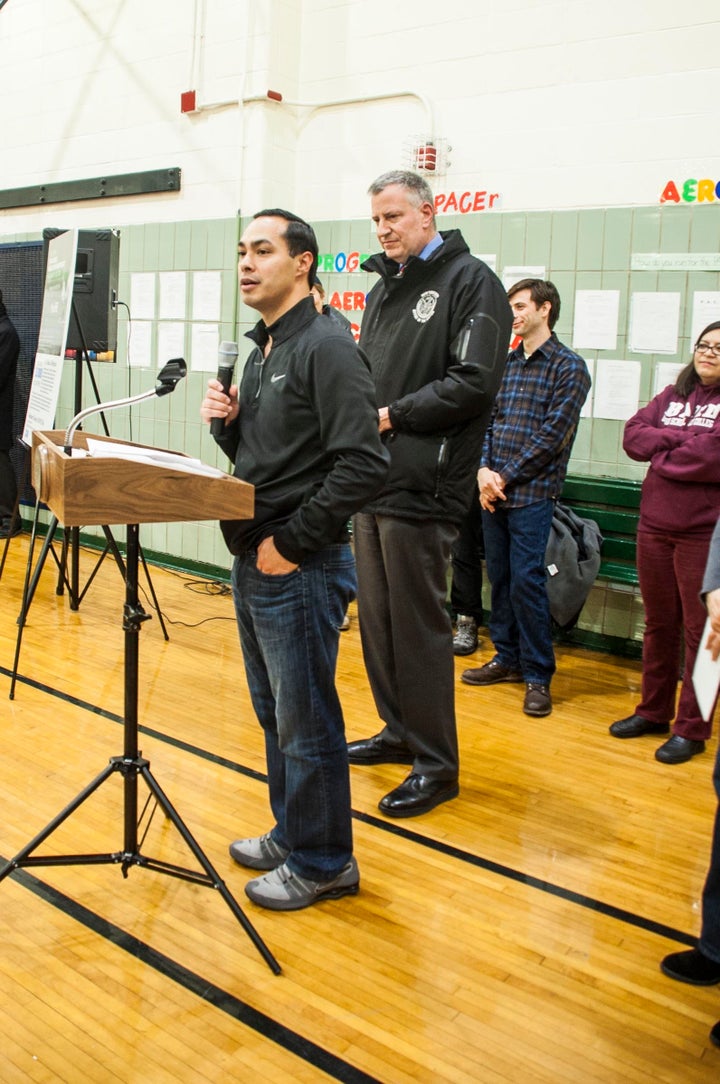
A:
582, 249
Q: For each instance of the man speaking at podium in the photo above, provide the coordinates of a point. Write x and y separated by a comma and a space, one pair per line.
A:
302, 429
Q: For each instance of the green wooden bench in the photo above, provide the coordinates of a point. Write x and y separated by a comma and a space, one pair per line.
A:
614, 504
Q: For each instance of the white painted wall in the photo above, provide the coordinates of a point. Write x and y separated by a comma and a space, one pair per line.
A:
553, 103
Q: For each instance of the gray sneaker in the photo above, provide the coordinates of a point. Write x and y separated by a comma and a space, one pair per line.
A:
465, 640
283, 890
262, 852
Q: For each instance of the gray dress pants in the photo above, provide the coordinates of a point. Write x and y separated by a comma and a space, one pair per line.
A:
406, 634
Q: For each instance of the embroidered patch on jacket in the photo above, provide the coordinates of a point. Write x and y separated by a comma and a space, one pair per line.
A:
426, 306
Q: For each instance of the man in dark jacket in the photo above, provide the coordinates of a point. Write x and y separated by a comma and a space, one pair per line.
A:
302, 429
436, 329
9, 352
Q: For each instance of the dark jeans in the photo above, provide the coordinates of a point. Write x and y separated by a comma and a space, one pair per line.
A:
407, 635
709, 942
670, 568
467, 557
289, 633
520, 625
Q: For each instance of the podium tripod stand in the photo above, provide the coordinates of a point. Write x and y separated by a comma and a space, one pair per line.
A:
56, 473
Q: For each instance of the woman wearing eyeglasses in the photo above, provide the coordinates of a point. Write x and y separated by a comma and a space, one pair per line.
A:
678, 433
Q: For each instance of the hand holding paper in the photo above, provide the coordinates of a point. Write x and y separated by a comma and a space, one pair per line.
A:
706, 674
712, 600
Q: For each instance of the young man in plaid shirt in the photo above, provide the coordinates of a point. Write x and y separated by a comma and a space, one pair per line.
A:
523, 465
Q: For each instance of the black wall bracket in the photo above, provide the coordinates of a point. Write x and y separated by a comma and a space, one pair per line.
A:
120, 184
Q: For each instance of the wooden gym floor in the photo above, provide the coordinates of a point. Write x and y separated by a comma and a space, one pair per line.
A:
513, 935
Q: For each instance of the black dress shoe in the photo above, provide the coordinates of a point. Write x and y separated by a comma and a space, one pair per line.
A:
715, 1034
635, 726
418, 794
693, 967
677, 750
378, 751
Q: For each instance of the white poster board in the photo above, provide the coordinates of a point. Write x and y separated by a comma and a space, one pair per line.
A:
52, 339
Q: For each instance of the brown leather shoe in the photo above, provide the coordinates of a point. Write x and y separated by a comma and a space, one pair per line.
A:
537, 699
491, 673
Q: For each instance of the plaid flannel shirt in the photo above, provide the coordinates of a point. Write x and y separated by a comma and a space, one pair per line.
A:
533, 425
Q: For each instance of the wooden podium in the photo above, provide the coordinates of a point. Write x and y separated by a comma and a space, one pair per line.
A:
83, 489
117, 491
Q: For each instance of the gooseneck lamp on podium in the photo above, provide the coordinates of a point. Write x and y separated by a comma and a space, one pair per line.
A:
88, 489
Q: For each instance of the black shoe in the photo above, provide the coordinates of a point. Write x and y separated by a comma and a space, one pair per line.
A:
693, 967
465, 640
635, 726
715, 1034
537, 699
418, 794
378, 751
491, 673
677, 750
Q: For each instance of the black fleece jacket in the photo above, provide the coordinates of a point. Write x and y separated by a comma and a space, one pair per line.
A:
437, 337
306, 436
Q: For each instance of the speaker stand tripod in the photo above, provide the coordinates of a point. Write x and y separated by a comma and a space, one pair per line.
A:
32, 577
132, 766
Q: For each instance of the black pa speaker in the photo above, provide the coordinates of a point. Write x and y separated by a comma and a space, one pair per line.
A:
93, 320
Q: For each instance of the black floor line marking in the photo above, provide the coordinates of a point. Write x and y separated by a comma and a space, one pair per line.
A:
533, 882
577, 898
201, 987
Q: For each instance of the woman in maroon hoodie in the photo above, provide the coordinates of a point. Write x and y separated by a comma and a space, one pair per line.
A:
678, 433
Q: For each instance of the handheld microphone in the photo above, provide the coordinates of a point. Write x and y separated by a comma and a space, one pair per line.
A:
227, 355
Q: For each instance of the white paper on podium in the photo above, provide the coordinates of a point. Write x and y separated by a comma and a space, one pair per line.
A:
706, 676
155, 457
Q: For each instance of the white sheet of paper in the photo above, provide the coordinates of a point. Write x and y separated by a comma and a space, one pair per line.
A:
170, 340
596, 319
654, 322
139, 344
514, 273
156, 457
706, 676
142, 295
705, 310
666, 372
173, 287
204, 348
616, 390
207, 295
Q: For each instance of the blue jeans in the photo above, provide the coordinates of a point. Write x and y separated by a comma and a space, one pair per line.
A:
289, 633
520, 625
